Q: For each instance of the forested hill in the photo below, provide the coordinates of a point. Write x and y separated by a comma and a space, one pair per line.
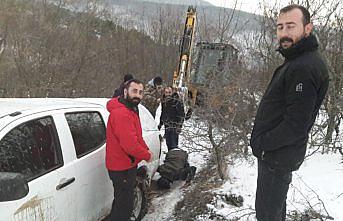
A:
50, 51
143, 11
180, 2
73, 49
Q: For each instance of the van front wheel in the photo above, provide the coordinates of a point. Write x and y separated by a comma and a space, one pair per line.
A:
140, 202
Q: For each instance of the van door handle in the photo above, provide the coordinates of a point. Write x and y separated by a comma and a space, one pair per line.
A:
65, 183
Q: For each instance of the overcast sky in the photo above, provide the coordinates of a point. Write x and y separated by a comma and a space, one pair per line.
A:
247, 5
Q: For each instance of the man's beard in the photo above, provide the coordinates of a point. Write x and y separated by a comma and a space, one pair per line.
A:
133, 100
287, 39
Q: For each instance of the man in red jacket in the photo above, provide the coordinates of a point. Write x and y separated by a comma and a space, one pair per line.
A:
125, 148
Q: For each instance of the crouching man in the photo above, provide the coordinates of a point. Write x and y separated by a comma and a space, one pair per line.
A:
175, 167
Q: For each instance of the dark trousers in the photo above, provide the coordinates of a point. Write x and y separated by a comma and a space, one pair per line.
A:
172, 138
123, 183
271, 192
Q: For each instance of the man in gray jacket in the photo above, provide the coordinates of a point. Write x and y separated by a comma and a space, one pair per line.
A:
287, 112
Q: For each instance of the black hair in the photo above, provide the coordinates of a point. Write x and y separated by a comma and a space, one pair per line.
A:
169, 86
305, 12
128, 77
157, 80
128, 83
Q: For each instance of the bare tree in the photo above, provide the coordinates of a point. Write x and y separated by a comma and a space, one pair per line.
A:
52, 51
222, 28
223, 121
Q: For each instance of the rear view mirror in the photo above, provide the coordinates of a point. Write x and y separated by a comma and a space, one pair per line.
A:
13, 186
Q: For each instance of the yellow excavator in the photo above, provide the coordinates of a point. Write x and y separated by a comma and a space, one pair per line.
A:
209, 59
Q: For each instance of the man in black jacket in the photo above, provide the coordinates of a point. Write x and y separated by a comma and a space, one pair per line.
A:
287, 112
172, 117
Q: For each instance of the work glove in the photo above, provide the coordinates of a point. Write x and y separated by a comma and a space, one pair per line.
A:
189, 113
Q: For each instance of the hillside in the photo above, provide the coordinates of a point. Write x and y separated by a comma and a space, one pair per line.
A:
147, 11
51, 51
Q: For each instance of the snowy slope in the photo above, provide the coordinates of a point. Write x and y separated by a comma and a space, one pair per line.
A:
317, 184
320, 178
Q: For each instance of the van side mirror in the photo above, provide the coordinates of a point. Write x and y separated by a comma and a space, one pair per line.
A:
13, 186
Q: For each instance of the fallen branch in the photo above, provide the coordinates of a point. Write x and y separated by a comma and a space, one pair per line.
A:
319, 199
339, 195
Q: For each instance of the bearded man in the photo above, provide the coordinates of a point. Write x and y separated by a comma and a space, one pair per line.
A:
172, 117
287, 112
125, 148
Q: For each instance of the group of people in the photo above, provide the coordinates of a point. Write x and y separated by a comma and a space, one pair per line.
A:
284, 118
172, 107
125, 146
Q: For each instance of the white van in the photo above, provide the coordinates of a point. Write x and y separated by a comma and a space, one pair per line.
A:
52, 160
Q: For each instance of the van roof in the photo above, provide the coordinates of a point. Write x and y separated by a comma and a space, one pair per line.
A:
15, 106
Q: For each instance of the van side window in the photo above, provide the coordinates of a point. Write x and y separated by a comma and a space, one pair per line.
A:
88, 131
32, 148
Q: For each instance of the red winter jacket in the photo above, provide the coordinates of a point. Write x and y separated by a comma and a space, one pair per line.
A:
125, 146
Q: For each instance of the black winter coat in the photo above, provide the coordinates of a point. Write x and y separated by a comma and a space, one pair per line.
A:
119, 91
289, 106
175, 162
173, 112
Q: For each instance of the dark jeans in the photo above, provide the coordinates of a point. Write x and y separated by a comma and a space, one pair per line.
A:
172, 138
271, 192
123, 183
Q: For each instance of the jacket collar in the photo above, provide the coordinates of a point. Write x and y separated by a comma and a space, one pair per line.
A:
129, 105
309, 43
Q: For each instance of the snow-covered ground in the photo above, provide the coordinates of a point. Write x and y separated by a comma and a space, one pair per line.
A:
318, 184
163, 206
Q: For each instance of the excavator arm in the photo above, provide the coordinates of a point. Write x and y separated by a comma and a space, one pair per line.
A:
210, 60
181, 75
